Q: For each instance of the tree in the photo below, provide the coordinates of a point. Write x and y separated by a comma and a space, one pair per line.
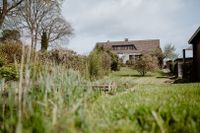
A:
56, 28
32, 13
146, 63
169, 52
159, 55
38, 16
8, 7
44, 42
11, 35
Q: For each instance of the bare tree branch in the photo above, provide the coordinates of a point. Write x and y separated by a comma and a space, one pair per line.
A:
6, 8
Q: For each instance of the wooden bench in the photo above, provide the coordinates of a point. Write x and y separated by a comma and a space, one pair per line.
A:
105, 87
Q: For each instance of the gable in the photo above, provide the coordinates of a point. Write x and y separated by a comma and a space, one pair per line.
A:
195, 37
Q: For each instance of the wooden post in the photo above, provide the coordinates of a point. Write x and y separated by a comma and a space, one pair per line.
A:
184, 56
183, 66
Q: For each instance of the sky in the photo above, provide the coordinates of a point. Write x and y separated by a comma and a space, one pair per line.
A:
171, 21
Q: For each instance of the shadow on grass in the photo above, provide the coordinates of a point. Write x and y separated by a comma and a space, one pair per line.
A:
183, 81
133, 75
168, 75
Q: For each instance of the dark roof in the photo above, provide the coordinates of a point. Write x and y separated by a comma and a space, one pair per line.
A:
194, 36
142, 46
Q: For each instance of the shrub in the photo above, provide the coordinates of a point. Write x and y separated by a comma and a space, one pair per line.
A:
106, 62
61, 56
100, 62
64, 57
95, 67
9, 72
11, 35
2, 60
115, 65
159, 55
10, 52
130, 63
145, 64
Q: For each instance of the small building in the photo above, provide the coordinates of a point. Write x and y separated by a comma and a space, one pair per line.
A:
178, 68
195, 41
131, 50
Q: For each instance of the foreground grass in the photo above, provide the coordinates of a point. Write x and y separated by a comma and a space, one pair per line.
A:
61, 101
169, 108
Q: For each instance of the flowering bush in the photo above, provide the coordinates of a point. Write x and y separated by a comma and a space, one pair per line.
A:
145, 64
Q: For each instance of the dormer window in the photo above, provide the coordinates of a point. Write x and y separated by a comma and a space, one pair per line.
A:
123, 47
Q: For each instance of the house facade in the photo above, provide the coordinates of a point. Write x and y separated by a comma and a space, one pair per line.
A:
131, 50
195, 41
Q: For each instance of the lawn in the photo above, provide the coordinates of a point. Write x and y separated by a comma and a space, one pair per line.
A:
151, 108
64, 102
151, 104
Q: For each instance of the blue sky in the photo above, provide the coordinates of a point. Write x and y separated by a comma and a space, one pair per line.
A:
171, 21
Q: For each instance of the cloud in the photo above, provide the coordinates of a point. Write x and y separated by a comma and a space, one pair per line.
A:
172, 21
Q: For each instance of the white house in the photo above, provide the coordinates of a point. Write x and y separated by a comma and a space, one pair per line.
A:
130, 50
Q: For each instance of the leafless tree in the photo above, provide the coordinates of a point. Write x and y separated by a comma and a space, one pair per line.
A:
56, 28
44, 16
170, 52
32, 13
8, 7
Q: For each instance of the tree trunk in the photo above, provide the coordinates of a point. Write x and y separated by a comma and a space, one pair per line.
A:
35, 40
3, 12
32, 39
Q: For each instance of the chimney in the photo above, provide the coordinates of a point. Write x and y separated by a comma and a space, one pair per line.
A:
126, 39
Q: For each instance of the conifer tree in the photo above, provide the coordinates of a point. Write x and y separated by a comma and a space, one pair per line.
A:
44, 42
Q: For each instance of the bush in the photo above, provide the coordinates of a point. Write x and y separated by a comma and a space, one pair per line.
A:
100, 62
65, 57
115, 65
10, 52
9, 72
106, 62
95, 65
2, 60
159, 55
11, 35
145, 64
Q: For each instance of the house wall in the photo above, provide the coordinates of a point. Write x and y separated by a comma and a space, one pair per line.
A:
125, 57
196, 60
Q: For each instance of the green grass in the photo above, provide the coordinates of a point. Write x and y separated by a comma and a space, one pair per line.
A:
61, 101
169, 108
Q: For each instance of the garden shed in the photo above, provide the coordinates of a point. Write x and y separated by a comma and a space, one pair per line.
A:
195, 41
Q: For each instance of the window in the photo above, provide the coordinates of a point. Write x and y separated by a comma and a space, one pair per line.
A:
123, 47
